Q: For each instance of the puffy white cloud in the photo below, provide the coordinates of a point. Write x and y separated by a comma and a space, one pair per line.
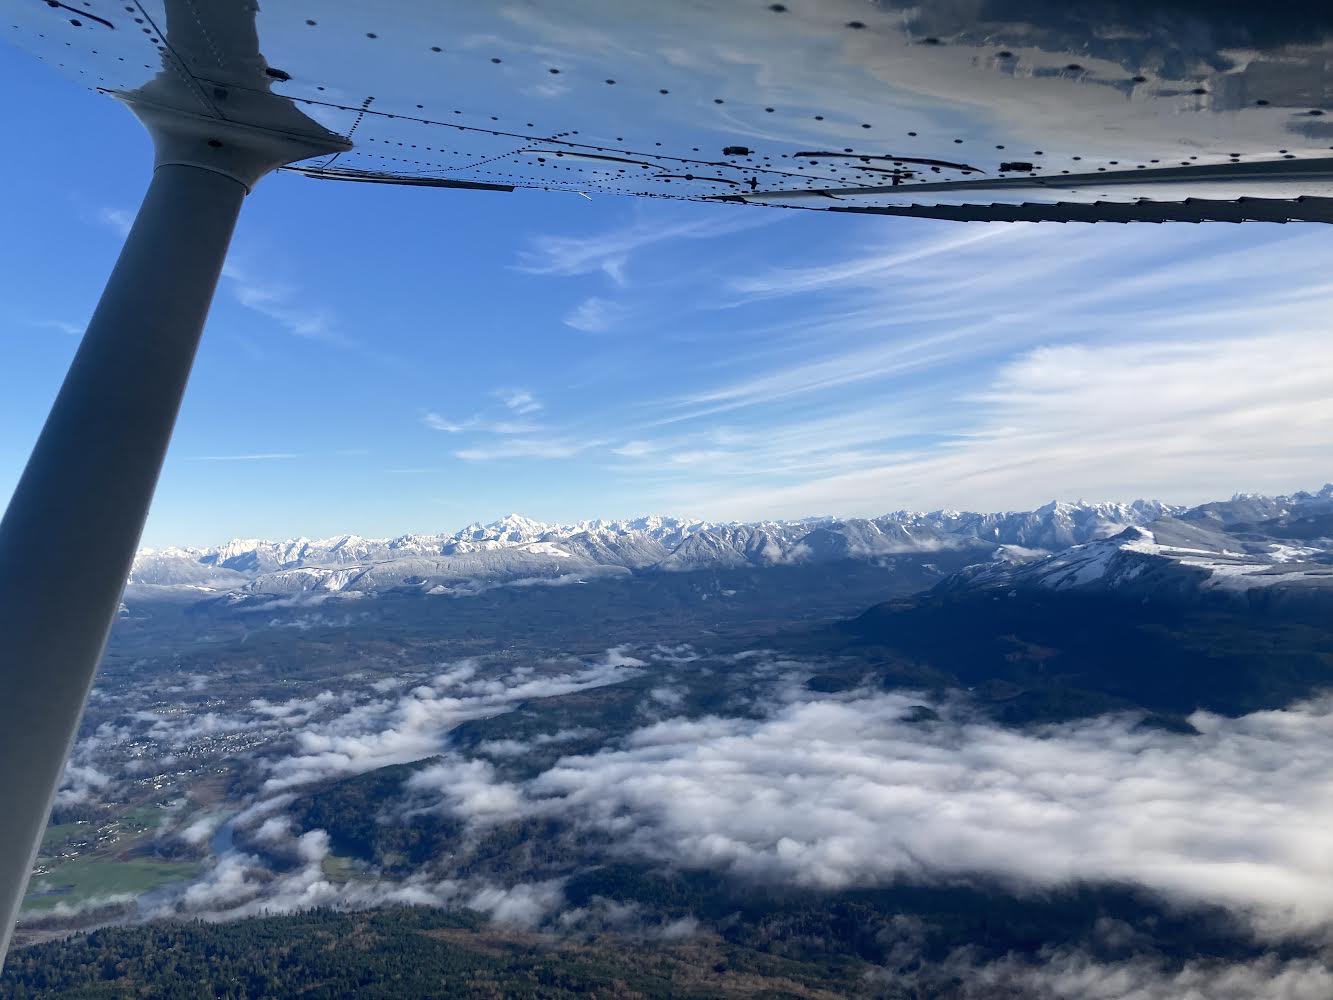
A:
1073, 975
468, 788
80, 782
64, 910
233, 880
677, 930
668, 696
517, 748
242, 885
201, 829
624, 919
416, 724
273, 830
837, 793
261, 810
313, 846
503, 748
523, 905
293, 708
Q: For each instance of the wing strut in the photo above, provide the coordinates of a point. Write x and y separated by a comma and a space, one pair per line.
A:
69, 534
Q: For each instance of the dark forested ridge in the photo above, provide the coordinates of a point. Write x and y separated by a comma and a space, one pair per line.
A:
904, 943
895, 943
395, 953
1041, 656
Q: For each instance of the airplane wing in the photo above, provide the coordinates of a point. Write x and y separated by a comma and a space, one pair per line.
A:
1145, 210
813, 104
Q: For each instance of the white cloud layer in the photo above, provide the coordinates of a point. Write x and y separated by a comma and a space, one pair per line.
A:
1176, 419
1072, 975
836, 794
241, 885
416, 724
806, 791
1000, 367
79, 782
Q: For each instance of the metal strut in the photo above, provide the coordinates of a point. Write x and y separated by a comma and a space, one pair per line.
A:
69, 534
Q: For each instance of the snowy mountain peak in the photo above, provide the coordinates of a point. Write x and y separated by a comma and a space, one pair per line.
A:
1072, 543
1193, 553
517, 526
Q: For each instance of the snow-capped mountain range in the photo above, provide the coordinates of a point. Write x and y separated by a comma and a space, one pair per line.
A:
1060, 544
1246, 543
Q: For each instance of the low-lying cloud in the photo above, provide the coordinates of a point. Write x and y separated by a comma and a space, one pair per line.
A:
797, 790
416, 724
243, 885
1068, 973
835, 794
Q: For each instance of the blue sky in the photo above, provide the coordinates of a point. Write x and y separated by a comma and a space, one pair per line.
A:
384, 360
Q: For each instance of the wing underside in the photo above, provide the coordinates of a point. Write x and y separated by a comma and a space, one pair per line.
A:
1042, 111
1189, 210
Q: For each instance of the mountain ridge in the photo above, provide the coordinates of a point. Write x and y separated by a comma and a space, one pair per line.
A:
1059, 541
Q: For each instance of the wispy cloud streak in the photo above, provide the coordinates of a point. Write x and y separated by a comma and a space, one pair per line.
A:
609, 252
262, 456
283, 304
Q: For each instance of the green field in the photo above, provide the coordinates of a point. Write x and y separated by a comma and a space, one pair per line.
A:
144, 817
58, 833
338, 869
91, 877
